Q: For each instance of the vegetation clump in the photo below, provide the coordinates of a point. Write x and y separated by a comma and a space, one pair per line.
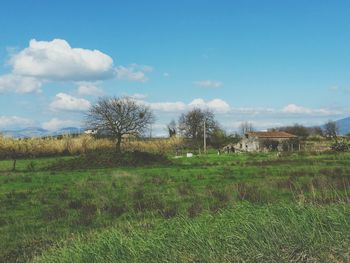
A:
340, 146
108, 159
246, 233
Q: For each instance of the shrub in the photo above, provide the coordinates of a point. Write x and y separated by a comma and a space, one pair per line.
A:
170, 211
340, 146
195, 209
116, 210
87, 214
75, 204
270, 144
54, 213
31, 166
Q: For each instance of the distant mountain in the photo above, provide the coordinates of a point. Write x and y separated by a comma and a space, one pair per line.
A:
344, 125
39, 132
27, 132
68, 130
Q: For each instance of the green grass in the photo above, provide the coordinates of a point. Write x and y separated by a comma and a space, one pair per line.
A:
245, 233
41, 206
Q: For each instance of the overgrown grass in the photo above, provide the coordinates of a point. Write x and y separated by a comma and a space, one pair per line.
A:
74, 145
245, 233
39, 205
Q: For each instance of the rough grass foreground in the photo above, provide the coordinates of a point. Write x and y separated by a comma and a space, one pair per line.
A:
106, 159
245, 233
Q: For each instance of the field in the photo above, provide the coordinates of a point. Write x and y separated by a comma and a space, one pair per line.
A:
240, 208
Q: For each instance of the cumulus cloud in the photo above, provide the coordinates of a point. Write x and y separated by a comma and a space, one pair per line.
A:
67, 102
197, 103
55, 124
20, 84
208, 83
52, 61
133, 72
257, 124
253, 110
217, 105
8, 122
138, 96
89, 89
295, 109
57, 60
168, 106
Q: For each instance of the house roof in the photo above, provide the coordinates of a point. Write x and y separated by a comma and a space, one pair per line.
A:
271, 134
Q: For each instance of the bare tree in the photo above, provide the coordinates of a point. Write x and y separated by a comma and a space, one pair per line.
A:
119, 117
191, 124
171, 128
331, 129
245, 127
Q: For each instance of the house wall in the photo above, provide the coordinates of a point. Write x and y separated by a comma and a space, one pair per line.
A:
249, 145
254, 144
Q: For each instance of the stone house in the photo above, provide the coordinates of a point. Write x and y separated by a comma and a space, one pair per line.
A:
265, 141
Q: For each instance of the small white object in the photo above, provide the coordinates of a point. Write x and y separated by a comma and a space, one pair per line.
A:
189, 155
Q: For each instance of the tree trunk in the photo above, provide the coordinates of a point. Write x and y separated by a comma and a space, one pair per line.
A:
118, 144
14, 165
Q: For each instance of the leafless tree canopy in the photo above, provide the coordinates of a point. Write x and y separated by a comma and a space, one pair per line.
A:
119, 117
191, 124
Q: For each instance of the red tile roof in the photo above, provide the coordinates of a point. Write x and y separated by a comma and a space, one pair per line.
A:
271, 134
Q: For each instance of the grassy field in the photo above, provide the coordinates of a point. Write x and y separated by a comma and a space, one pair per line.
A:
246, 207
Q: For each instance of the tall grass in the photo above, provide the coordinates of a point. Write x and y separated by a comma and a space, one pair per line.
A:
245, 233
68, 145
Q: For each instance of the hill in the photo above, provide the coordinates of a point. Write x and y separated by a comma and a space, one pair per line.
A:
39, 132
344, 125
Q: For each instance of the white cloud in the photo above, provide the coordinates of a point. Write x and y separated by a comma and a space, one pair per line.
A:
53, 61
89, 89
168, 106
217, 105
198, 103
295, 109
253, 110
55, 124
7, 122
133, 72
257, 124
208, 83
166, 74
67, 102
20, 84
138, 96
57, 60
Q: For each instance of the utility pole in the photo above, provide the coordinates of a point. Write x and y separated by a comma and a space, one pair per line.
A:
205, 139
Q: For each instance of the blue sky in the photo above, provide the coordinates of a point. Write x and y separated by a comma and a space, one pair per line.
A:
268, 62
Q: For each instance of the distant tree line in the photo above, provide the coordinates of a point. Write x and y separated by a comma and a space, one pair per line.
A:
330, 130
120, 117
